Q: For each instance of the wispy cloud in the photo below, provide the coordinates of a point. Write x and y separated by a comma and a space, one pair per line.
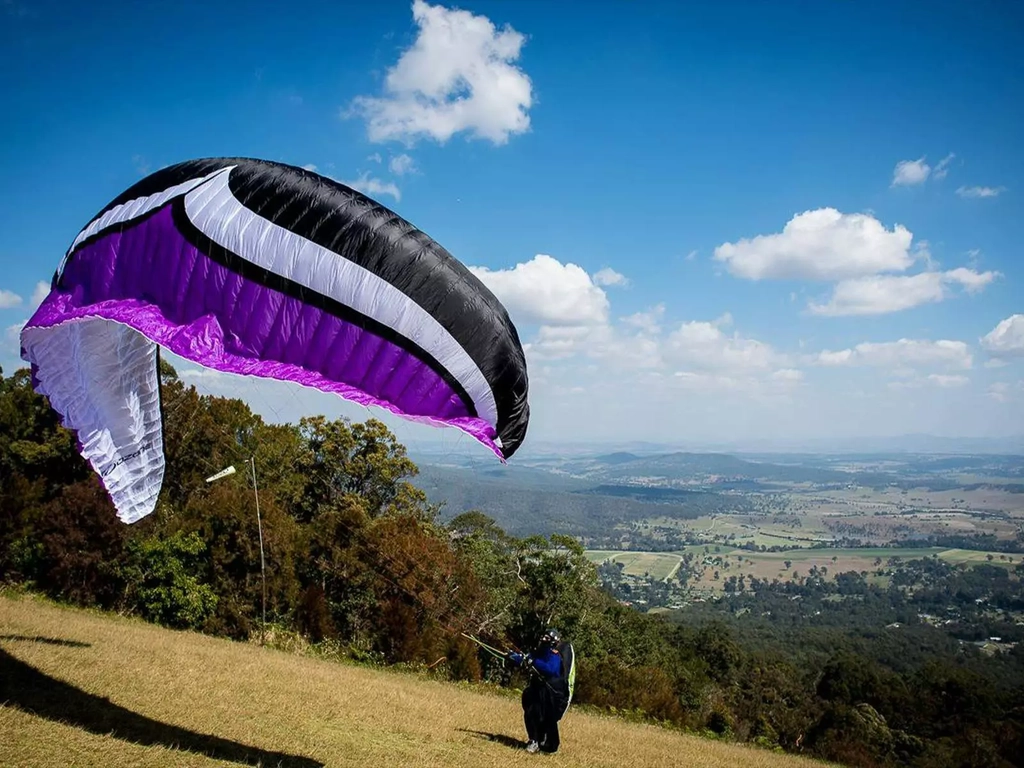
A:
372, 186
402, 165
908, 173
975, 192
911, 173
141, 165
609, 277
942, 168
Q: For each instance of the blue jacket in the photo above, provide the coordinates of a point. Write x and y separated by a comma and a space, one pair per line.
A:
548, 662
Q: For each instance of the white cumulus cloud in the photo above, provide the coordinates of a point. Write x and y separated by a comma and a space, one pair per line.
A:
458, 75
10, 342
695, 356
648, 322
9, 299
881, 294
1006, 339
39, 293
902, 354
545, 291
574, 324
705, 346
823, 244
558, 342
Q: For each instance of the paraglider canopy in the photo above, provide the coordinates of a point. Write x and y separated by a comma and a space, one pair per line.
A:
264, 269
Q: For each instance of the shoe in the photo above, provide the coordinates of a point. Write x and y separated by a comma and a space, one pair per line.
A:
532, 746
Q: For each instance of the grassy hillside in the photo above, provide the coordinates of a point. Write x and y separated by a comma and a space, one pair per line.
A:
83, 689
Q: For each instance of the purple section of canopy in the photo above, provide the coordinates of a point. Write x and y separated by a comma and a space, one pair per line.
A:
150, 278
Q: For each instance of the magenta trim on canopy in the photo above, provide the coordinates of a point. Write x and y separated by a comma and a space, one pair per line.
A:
202, 342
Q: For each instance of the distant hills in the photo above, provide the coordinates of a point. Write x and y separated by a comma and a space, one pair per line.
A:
585, 495
526, 502
711, 471
910, 443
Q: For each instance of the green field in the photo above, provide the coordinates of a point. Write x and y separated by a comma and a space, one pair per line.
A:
658, 565
746, 529
729, 561
872, 516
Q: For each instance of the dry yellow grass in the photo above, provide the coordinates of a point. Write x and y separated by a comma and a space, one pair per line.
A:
82, 689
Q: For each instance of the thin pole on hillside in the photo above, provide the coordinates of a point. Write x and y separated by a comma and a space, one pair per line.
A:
263, 562
251, 462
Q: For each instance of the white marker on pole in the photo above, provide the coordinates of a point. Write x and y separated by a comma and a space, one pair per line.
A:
223, 473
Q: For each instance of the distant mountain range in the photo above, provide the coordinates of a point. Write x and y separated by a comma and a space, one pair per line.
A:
526, 501
613, 451
703, 468
588, 495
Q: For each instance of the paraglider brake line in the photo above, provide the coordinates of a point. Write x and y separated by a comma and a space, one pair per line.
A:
504, 655
491, 650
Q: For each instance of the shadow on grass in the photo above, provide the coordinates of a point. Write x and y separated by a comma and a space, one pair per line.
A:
498, 738
36, 693
47, 640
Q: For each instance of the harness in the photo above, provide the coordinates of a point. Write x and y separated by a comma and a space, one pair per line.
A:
563, 685
568, 656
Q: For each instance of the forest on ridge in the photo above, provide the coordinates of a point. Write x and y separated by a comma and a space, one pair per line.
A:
359, 563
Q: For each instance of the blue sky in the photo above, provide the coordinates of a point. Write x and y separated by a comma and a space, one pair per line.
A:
736, 221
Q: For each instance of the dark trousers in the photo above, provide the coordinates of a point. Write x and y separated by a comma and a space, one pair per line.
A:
542, 709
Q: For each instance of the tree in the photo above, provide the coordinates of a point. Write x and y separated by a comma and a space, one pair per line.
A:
223, 515
560, 588
497, 560
425, 592
163, 581
80, 540
362, 460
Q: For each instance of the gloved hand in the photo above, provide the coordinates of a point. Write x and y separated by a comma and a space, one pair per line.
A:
516, 658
